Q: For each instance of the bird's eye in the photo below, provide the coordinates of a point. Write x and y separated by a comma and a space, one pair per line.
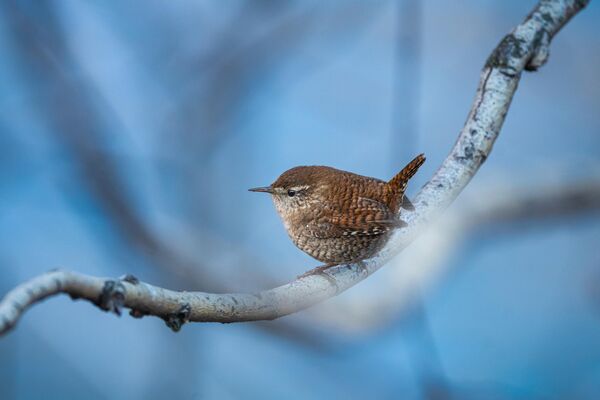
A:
291, 192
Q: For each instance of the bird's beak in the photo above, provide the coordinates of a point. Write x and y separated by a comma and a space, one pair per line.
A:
266, 189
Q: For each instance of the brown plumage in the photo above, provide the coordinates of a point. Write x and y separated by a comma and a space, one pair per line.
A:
337, 216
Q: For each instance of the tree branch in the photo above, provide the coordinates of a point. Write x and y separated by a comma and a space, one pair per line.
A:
525, 48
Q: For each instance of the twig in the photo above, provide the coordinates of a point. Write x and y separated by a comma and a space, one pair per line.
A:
524, 48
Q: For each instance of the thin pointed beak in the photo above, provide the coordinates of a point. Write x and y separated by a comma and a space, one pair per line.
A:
266, 189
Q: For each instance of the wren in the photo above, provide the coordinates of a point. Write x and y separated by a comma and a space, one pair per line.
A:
338, 217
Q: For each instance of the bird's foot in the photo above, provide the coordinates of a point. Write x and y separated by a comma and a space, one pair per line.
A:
363, 267
320, 270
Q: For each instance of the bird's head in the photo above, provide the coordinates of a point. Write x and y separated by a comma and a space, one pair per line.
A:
298, 189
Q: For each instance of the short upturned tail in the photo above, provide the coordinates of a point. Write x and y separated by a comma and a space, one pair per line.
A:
399, 182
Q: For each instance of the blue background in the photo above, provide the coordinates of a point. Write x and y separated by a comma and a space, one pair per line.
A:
130, 131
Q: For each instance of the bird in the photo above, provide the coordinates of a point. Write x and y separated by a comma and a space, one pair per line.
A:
339, 217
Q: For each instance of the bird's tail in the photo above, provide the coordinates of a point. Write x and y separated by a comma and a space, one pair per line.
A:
399, 182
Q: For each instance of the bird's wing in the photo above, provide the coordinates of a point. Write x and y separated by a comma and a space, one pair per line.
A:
368, 217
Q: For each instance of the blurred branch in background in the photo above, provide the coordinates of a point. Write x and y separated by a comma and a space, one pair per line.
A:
405, 111
218, 85
214, 88
418, 268
404, 142
70, 103
526, 48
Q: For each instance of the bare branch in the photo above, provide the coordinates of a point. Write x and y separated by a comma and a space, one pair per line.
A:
526, 47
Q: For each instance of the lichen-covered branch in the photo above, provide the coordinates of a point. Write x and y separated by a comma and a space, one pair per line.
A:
525, 48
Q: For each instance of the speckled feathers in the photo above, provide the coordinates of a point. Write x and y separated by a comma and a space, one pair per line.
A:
337, 216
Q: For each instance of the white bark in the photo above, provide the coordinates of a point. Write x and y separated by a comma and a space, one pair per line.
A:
524, 48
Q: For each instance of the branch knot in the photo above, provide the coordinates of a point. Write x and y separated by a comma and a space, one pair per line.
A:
112, 297
541, 50
176, 320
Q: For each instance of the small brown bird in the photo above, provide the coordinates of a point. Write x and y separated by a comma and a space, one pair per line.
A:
336, 216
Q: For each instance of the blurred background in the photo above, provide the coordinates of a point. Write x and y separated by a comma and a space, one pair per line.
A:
130, 132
